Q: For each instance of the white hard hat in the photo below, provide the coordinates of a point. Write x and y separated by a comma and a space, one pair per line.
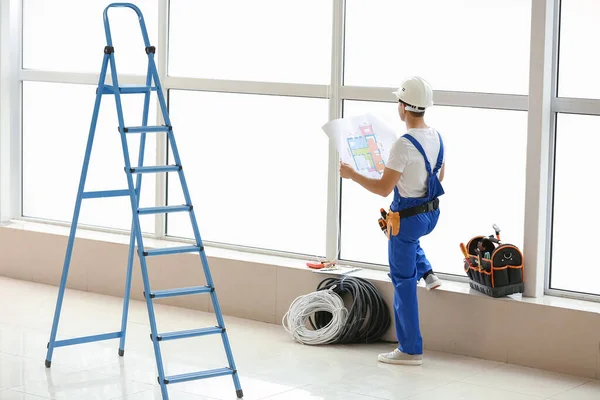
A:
416, 93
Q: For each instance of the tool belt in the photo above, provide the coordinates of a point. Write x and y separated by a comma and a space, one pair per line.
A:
493, 267
391, 225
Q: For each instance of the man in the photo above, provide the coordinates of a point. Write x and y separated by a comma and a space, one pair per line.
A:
414, 171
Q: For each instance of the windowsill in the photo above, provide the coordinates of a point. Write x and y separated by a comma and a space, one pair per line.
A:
295, 263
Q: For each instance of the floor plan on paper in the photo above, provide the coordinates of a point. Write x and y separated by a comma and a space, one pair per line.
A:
365, 150
363, 142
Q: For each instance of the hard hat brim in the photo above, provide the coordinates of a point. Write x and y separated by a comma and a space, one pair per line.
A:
399, 97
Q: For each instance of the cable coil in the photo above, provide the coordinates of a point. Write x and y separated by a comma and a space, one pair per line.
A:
366, 321
325, 301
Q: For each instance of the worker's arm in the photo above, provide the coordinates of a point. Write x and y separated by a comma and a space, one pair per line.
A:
442, 171
382, 186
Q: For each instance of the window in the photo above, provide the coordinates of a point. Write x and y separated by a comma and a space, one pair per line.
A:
579, 62
249, 91
572, 265
482, 47
573, 261
256, 167
56, 121
484, 184
68, 35
265, 40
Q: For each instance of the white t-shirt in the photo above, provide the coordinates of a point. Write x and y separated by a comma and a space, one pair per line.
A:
405, 158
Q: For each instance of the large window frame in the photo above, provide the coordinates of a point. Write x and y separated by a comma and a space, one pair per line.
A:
559, 105
541, 103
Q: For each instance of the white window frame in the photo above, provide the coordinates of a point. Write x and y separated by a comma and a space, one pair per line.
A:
10, 110
542, 105
564, 105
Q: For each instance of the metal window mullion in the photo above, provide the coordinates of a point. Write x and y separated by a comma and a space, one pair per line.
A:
442, 98
16, 111
332, 242
552, 141
248, 87
537, 216
160, 222
81, 78
576, 106
6, 76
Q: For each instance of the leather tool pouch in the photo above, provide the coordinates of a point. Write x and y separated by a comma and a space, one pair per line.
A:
393, 223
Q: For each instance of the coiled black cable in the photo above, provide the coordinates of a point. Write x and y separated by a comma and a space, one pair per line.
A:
368, 316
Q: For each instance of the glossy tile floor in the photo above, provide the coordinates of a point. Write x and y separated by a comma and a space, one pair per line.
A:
271, 366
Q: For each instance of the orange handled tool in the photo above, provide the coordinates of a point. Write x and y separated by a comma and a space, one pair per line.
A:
463, 248
383, 213
382, 223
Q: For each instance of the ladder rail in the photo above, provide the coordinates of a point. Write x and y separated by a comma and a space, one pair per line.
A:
76, 212
196, 230
136, 221
138, 190
140, 18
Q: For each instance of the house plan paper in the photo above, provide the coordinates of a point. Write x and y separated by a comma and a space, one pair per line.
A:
362, 141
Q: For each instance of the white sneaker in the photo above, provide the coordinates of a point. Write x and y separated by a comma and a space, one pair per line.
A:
400, 358
433, 282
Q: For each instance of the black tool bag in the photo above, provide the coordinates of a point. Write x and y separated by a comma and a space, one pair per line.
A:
499, 275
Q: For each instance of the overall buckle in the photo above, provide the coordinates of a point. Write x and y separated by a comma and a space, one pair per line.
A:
431, 205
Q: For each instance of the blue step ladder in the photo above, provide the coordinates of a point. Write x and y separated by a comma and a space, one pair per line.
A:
133, 191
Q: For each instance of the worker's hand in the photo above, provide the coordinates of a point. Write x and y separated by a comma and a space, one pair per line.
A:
346, 171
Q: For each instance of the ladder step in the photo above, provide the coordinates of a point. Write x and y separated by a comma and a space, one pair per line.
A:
199, 375
105, 193
165, 209
158, 168
129, 89
190, 333
159, 294
87, 339
173, 250
146, 129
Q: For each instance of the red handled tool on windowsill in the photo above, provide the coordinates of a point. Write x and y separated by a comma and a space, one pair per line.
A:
320, 265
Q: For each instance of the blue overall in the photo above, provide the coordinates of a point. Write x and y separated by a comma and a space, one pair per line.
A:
407, 260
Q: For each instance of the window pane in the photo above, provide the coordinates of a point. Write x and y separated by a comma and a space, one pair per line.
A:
575, 267
68, 35
56, 123
469, 45
579, 30
262, 40
256, 167
484, 184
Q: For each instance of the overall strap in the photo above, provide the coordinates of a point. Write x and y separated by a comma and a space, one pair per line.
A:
416, 143
440, 159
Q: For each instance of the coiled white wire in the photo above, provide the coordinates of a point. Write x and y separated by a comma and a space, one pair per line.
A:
295, 320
